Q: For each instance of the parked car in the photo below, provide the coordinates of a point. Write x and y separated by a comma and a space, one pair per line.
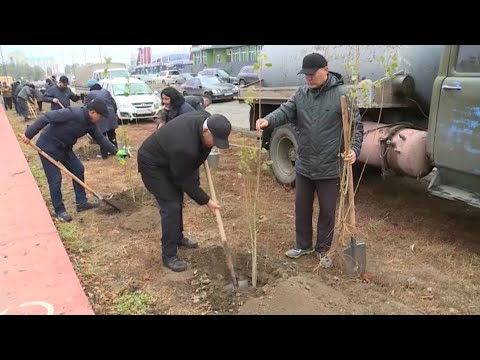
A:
184, 77
247, 75
134, 98
211, 85
166, 77
220, 73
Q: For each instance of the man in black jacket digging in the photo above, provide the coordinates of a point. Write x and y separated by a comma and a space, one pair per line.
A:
316, 111
62, 130
167, 160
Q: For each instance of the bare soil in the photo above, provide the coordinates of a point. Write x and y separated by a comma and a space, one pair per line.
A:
423, 252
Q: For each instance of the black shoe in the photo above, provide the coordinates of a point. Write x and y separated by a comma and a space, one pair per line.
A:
87, 206
174, 264
188, 243
64, 216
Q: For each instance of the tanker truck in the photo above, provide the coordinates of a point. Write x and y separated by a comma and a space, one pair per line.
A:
422, 116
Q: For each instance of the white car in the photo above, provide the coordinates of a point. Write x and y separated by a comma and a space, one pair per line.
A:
134, 98
166, 77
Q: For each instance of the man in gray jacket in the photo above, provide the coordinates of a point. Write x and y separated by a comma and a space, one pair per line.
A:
315, 110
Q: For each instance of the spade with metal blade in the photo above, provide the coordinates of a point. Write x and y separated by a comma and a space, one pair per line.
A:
355, 254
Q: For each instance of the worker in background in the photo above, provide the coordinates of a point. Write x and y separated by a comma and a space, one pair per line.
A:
7, 96
316, 111
167, 160
109, 123
199, 102
173, 105
62, 129
60, 94
25, 98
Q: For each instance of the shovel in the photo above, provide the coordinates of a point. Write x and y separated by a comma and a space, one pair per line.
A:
80, 182
355, 254
235, 285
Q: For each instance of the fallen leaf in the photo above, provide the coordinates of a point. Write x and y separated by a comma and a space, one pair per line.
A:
366, 278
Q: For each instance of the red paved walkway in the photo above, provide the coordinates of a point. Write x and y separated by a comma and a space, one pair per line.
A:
36, 276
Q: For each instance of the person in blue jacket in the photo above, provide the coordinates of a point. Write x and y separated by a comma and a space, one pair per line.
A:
109, 123
60, 94
62, 129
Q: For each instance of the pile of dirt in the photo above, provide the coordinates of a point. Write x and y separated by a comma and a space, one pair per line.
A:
211, 275
130, 200
146, 218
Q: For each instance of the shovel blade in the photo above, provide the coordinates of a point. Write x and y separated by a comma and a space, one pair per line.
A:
355, 258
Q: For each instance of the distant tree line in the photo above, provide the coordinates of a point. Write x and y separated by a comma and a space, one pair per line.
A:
25, 71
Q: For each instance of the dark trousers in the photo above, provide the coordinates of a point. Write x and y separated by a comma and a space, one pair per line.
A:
112, 136
327, 193
54, 177
22, 108
8, 103
39, 103
171, 214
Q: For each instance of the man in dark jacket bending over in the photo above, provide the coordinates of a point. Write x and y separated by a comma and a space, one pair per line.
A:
316, 111
62, 130
60, 94
167, 161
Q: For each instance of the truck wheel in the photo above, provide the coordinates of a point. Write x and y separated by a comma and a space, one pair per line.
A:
283, 151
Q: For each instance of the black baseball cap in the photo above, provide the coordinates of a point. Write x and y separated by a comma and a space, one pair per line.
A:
220, 128
311, 63
98, 106
63, 79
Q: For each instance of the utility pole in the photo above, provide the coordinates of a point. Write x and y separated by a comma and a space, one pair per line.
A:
3, 62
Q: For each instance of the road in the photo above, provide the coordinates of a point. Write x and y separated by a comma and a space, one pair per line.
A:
234, 111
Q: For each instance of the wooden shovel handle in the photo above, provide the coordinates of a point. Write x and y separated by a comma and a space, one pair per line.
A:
221, 228
62, 167
346, 131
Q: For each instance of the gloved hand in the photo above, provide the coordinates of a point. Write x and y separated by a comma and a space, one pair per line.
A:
121, 155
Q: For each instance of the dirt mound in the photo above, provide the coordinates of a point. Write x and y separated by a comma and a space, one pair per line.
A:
210, 275
145, 218
130, 200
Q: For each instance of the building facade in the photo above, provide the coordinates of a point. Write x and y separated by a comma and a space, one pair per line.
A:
228, 57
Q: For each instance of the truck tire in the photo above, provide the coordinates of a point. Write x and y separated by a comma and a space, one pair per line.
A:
283, 151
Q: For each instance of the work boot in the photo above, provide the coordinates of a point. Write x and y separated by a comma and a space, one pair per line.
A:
296, 253
87, 206
64, 216
188, 243
174, 263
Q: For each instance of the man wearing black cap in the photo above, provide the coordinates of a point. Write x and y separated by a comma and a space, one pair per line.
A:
60, 94
62, 130
167, 160
315, 109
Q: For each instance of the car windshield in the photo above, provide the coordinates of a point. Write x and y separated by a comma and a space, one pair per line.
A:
131, 89
211, 80
223, 73
226, 72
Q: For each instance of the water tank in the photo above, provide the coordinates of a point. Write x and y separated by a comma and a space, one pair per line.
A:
419, 61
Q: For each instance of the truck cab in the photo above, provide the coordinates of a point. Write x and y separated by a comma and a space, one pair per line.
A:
453, 140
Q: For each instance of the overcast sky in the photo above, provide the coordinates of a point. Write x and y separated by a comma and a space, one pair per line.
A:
68, 54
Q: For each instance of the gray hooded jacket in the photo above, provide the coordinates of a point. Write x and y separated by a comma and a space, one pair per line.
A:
317, 114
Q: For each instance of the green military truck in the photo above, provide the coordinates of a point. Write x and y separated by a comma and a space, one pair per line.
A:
425, 115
